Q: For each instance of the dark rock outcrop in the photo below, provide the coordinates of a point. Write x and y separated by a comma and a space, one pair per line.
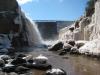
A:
18, 61
71, 42
8, 12
67, 47
74, 50
2, 63
56, 47
21, 70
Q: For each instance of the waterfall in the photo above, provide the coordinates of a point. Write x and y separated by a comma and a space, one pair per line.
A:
29, 29
34, 37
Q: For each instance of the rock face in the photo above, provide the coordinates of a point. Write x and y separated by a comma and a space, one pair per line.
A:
8, 12
96, 30
19, 29
87, 29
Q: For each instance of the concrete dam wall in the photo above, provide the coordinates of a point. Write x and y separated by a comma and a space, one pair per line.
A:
49, 29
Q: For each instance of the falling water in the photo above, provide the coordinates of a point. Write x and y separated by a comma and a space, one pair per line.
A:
34, 37
31, 31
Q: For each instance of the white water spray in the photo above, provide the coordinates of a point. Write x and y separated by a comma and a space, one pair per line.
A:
31, 31
34, 37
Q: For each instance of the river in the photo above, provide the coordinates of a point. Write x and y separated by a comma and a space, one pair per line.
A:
72, 64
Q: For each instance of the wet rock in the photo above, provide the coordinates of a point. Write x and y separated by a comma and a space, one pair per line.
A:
39, 62
30, 61
67, 47
28, 65
20, 55
8, 68
2, 63
55, 72
21, 70
74, 50
4, 51
18, 61
71, 42
41, 59
56, 47
5, 57
39, 66
28, 57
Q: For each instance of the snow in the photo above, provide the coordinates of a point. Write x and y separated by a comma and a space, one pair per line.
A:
91, 47
55, 71
42, 57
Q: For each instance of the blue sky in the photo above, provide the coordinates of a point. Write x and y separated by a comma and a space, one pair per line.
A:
53, 9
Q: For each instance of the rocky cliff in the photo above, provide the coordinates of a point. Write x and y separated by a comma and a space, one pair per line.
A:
8, 12
19, 29
87, 28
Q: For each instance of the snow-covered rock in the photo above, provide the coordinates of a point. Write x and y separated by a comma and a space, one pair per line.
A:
91, 47
88, 29
55, 72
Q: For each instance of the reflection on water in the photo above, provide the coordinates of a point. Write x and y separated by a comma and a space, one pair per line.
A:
85, 66
73, 65
38, 72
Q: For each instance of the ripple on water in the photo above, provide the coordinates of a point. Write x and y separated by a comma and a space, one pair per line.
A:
73, 65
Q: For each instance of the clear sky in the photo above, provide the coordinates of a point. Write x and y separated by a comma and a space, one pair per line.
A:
53, 9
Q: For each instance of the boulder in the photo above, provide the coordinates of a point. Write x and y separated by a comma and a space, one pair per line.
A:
18, 61
38, 66
80, 43
71, 42
91, 48
40, 59
5, 58
28, 57
74, 50
21, 70
41, 66
67, 47
55, 72
8, 68
56, 46
2, 63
